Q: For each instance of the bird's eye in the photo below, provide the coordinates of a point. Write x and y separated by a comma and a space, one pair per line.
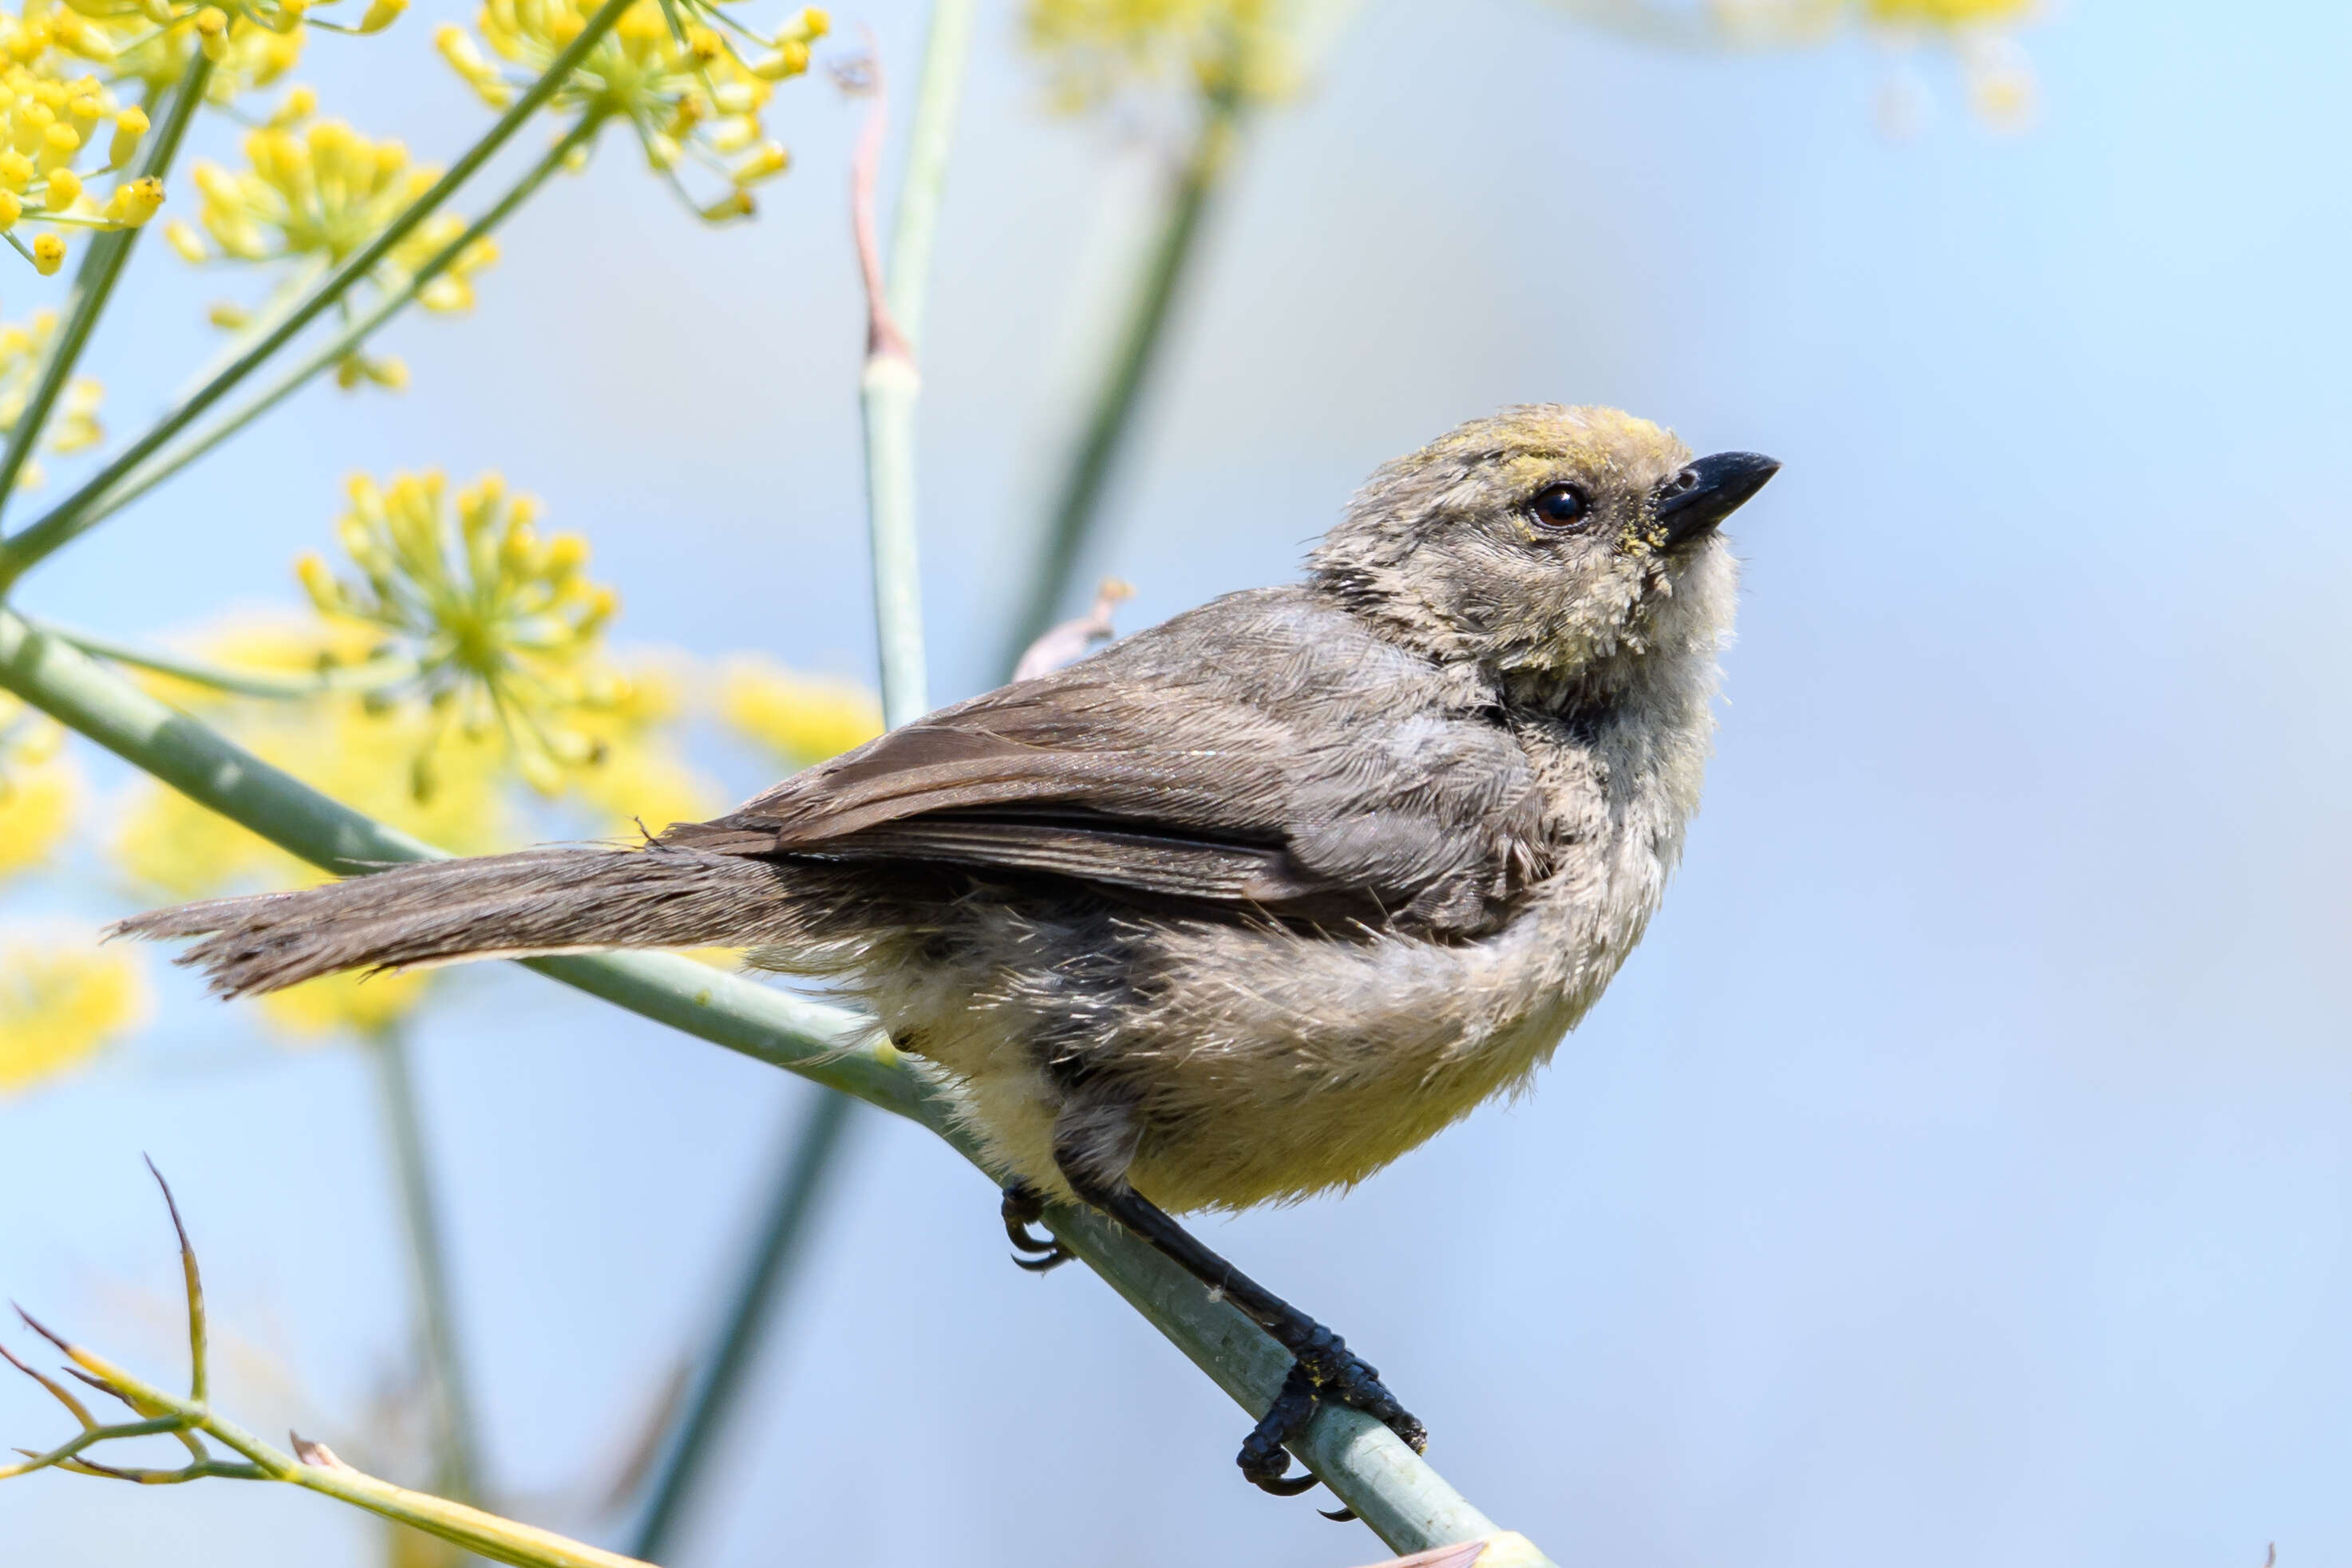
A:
1561, 506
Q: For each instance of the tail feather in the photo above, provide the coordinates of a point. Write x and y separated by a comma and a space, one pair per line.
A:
555, 899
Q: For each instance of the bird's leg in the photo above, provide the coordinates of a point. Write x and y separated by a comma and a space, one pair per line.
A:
1323, 1368
1022, 1209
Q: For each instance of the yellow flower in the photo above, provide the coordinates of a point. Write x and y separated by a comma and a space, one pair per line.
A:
62, 134
24, 346
38, 786
687, 92
1098, 51
60, 1004
314, 192
636, 775
346, 1004
247, 55
801, 719
334, 744
1946, 14
502, 626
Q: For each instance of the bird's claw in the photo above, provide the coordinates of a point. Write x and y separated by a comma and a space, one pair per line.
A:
1324, 1370
1023, 1207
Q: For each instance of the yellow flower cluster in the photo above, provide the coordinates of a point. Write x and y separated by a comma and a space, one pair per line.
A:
799, 719
636, 775
37, 787
682, 85
315, 192
73, 425
1098, 51
62, 134
1977, 33
502, 625
336, 743
251, 43
60, 1004
1947, 14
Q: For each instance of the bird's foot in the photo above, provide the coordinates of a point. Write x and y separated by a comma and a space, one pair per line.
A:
1325, 1371
1022, 1209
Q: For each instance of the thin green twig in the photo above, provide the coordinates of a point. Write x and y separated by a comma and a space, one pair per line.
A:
374, 675
889, 390
780, 1246
457, 1452
163, 465
1079, 504
101, 264
61, 522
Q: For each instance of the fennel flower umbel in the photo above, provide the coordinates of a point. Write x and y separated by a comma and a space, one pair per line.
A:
502, 626
687, 90
315, 192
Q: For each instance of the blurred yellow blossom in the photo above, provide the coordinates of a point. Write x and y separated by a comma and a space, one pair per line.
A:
1977, 34
73, 425
346, 1004
636, 774
688, 93
801, 718
337, 745
38, 786
1099, 50
247, 55
503, 627
315, 192
61, 1002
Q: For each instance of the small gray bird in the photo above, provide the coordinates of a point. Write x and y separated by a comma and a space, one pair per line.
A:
1238, 910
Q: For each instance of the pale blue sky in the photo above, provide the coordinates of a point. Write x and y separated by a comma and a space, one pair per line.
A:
1961, 1171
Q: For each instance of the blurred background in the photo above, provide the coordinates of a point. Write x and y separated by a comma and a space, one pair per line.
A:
1960, 1172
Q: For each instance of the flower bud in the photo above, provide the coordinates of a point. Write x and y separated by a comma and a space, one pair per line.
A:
65, 190
49, 255
130, 125
133, 204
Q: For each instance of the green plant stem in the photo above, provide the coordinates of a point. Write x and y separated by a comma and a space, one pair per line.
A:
164, 465
889, 391
371, 676
457, 1452
812, 1156
1392, 1489
947, 46
94, 280
1079, 504
59, 523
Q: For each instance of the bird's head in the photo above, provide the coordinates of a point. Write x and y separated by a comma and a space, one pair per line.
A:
1572, 552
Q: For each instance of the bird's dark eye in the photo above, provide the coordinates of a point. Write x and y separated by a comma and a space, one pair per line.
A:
1561, 506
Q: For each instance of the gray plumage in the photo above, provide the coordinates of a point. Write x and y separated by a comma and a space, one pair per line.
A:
1243, 907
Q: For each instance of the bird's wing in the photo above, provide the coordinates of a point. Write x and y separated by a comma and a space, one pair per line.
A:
1288, 770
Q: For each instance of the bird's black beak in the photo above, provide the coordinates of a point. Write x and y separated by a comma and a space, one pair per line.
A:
1690, 503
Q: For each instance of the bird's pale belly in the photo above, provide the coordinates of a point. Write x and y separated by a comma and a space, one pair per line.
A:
1306, 1065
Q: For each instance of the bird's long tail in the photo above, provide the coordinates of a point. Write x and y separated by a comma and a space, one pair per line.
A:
553, 900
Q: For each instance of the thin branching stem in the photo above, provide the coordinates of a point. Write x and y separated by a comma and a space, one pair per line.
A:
93, 284
162, 466
372, 674
457, 1452
778, 1250
60, 523
889, 391
1078, 503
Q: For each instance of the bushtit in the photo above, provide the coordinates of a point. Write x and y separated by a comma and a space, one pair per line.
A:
1238, 910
